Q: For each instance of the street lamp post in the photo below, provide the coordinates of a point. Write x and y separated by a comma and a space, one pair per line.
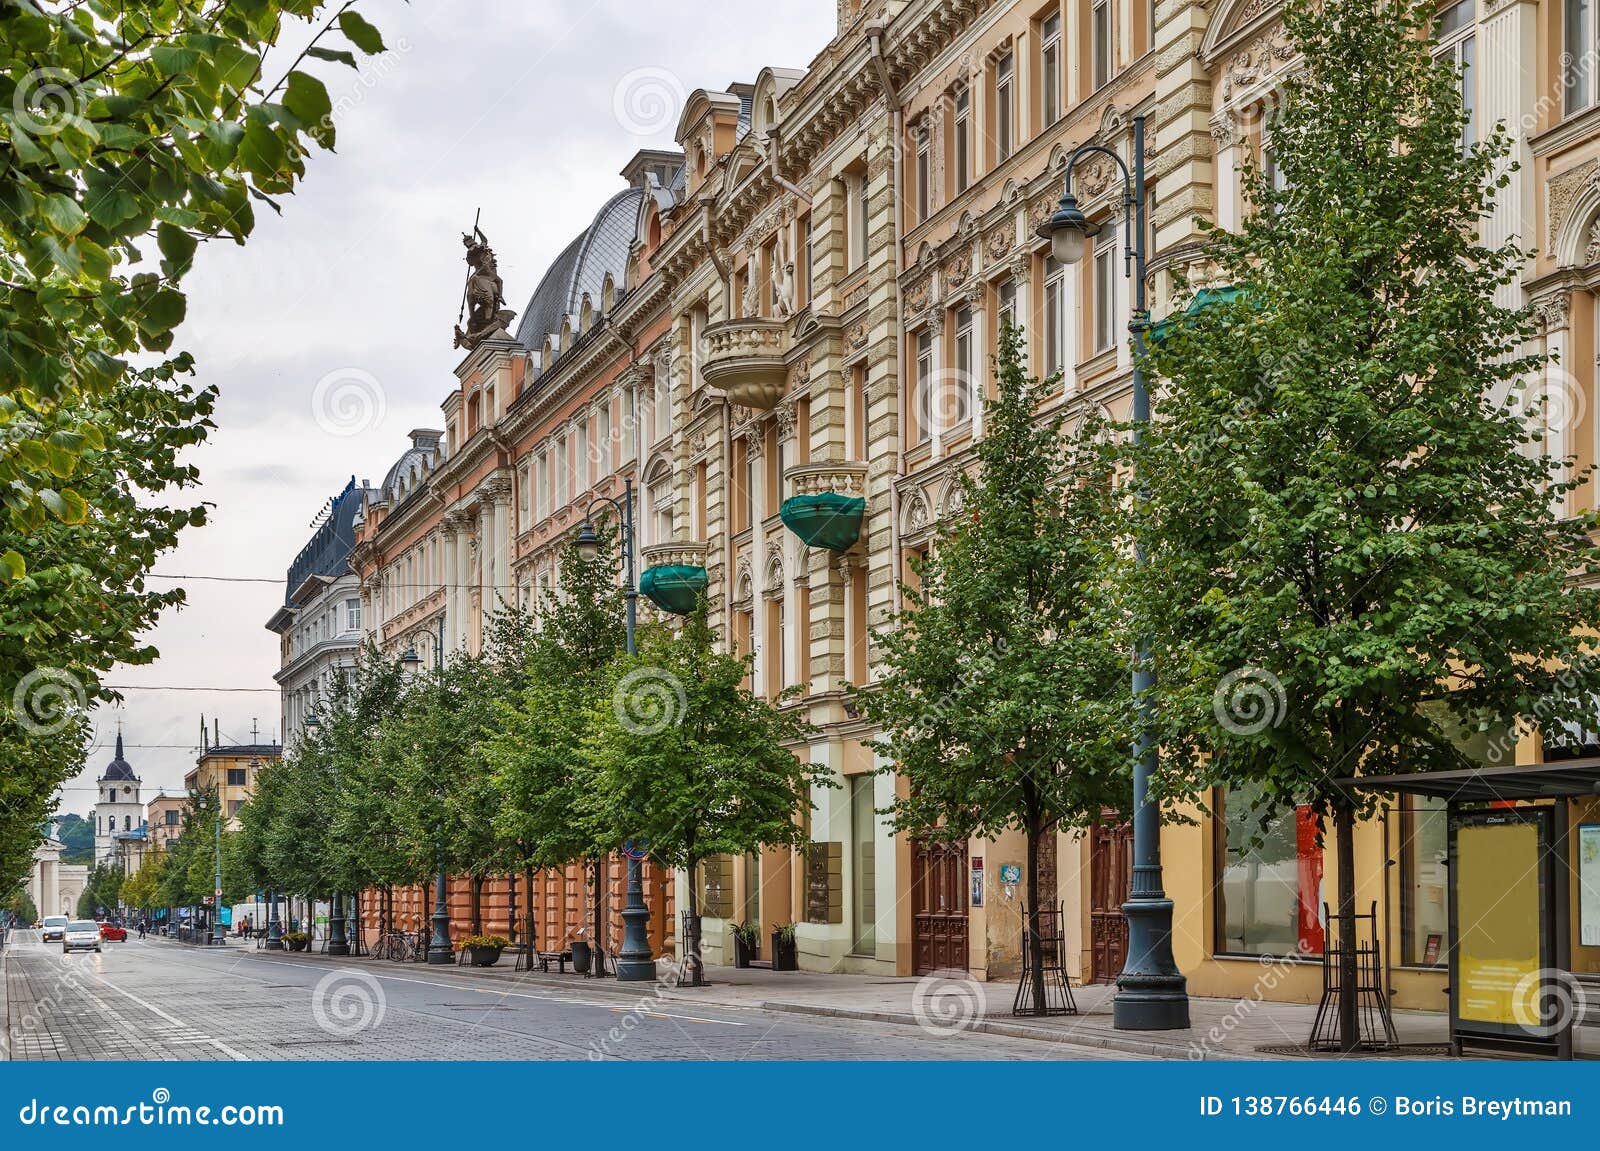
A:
635, 964
217, 937
1152, 993
274, 924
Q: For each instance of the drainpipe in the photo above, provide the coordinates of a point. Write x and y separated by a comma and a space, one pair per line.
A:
778, 177
875, 30
716, 262
730, 576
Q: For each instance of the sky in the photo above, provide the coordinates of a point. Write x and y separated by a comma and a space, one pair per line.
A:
329, 333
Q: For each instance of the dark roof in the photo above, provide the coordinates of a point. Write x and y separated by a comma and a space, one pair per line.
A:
581, 268
119, 768
328, 552
242, 749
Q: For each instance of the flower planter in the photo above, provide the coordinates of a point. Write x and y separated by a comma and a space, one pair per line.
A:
785, 953
581, 956
483, 956
298, 944
744, 952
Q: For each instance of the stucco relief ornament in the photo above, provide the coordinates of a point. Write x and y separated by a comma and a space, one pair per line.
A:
483, 300
1592, 253
1552, 311
998, 242
917, 294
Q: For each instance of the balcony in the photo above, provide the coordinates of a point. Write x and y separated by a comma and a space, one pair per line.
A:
826, 504
745, 358
674, 576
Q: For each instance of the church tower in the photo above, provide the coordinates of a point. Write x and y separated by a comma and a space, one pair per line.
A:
117, 807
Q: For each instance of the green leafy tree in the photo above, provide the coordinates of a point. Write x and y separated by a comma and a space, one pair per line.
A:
687, 763
21, 907
103, 888
132, 134
1342, 517
141, 891
537, 747
1003, 696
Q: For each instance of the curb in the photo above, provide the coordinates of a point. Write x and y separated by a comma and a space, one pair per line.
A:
1021, 1031
5, 1003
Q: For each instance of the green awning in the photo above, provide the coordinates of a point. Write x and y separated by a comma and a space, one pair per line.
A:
674, 587
1203, 299
828, 520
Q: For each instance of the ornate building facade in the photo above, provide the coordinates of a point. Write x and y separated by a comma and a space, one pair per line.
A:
782, 336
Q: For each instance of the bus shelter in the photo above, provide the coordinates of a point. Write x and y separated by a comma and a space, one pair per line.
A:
1524, 903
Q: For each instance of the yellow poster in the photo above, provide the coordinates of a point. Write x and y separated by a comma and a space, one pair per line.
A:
1497, 923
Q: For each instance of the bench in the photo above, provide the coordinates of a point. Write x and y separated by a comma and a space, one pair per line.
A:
544, 959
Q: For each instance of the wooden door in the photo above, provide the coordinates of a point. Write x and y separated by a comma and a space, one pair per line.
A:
938, 907
1110, 880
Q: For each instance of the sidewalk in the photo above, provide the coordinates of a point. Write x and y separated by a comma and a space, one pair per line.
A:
1221, 1028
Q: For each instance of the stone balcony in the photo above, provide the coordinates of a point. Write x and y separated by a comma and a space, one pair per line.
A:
674, 575
826, 503
745, 358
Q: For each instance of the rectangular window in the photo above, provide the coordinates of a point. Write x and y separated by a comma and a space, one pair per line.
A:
961, 141
859, 209
1055, 312
236, 777
1100, 42
922, 173
966, 381
1105, 288
1006, 312
1458, 48
858, 411
352, 615
1269, 896
864, 885
924, 382
1424, 881
1050, 69
1002, 109
1577, 56
806, 255
172, 818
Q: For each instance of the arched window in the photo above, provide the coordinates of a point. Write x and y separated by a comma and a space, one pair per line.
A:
658, 489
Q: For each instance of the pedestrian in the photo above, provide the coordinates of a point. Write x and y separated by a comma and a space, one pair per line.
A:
142, 925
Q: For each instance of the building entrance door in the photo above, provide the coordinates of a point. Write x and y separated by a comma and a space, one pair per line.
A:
938, 907
1110, 880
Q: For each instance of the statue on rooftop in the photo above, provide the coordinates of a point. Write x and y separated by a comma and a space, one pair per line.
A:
483, 300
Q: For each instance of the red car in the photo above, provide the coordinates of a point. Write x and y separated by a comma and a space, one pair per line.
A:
113, 934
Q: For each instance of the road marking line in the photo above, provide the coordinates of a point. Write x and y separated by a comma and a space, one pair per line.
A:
172, 1019
669, 1015
452, 985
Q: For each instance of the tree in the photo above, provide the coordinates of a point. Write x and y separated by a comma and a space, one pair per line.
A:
1002, 700
1344, 523
21, 907
141, 890
687, 763
76, 835
537, 747
102, 889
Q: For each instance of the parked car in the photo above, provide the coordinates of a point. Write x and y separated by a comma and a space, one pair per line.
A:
84, 933
113, 933
54, 927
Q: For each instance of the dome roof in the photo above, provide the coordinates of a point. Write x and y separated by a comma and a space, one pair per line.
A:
582, 267
413, 465
119, 768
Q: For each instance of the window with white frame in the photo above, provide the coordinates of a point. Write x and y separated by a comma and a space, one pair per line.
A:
924, 382
1578, 54
659, 491
1050, 69
1100, 42
966, 376
859, 209
1055, 317
1105, 287
961, 138
352, 614
603, 441
923, 172
1458, 47
1004, 92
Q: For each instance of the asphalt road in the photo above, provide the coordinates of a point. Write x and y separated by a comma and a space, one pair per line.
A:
155, 1000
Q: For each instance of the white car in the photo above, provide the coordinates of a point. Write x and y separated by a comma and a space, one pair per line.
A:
55, 926
84, 933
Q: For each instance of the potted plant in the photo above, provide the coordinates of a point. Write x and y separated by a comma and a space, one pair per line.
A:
746, 943
785, 951
297, 940
484, 950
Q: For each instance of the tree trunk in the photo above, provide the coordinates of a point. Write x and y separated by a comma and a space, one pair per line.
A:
528, 927
694, 968
599, 952
476, 895
1344, 818
1034, 943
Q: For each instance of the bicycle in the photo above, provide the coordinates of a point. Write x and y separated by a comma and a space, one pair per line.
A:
396, 945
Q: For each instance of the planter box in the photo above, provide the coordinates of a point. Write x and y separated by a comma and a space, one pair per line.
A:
785, 955
483, 956
744, 952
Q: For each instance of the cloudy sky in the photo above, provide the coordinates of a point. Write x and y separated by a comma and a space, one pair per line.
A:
526, 111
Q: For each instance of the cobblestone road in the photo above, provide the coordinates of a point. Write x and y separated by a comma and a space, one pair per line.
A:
163, 1001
